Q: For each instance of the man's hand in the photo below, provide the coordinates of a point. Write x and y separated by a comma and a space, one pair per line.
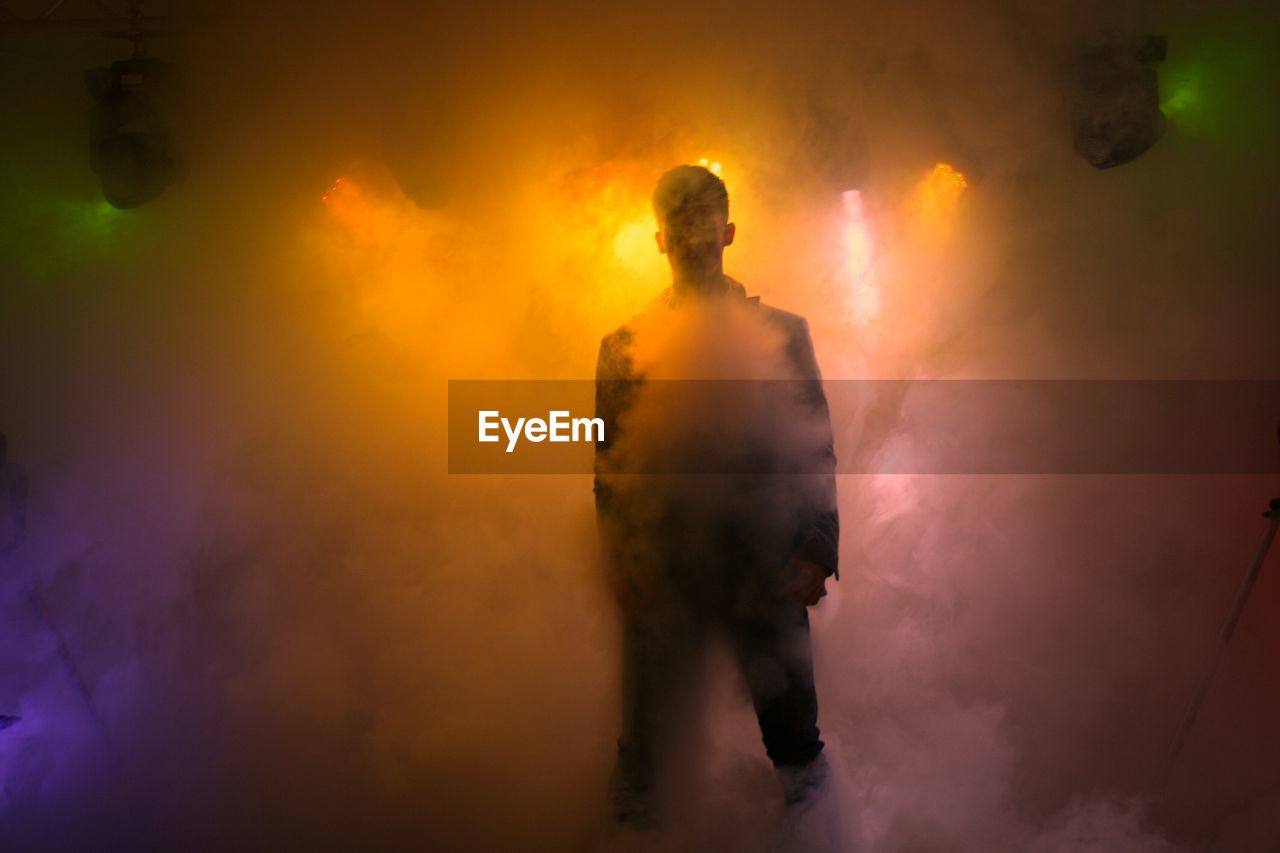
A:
627, 594
633, 594
805, 581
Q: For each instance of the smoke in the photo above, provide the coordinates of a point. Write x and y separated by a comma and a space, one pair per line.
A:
294, 627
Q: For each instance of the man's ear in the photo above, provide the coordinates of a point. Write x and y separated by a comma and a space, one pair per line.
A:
662, 243
729, 231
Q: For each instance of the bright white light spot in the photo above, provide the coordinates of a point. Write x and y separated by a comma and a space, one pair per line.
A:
858, 267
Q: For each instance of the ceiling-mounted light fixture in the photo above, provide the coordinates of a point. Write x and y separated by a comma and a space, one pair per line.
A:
130, 149
1116, 115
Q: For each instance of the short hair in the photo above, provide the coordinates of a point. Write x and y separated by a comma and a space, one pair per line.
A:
683, 185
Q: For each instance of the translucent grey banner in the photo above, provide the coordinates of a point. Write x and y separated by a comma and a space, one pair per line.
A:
1006, 427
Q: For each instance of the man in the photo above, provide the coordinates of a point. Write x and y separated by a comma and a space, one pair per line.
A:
715, 516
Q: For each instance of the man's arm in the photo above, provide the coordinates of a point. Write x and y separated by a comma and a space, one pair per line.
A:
604, 406
820, 542
613, 390
609, 388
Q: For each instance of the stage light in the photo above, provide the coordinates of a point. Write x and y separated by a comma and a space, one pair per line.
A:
937, 196
1116, 116
130, 149
359, 210
713, 166
944, 175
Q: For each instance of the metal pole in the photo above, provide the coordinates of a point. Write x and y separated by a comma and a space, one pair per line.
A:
1246, 586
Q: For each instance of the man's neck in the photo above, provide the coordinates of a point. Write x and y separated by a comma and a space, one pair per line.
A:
705, 281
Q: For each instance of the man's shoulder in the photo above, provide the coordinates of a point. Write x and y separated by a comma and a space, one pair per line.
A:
789, 321
615, 351
619, 339
786, 320
625, 334
798, 342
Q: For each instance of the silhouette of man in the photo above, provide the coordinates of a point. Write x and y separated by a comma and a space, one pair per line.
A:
743, 553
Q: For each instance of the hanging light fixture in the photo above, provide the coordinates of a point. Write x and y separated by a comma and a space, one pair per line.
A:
1116, 116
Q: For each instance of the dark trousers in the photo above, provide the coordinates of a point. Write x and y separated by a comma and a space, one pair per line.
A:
769, 638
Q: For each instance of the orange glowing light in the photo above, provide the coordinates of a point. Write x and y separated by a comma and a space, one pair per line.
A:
945, 174
605, 228
937, 196
336, 190
633, 244
713, 166
369, 215
389, 254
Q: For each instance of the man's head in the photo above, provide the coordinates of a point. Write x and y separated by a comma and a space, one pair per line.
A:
692, 208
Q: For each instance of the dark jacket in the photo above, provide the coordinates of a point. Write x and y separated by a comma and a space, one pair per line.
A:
816, 526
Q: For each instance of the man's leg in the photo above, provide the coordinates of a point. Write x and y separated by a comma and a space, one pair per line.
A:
656, 653
776, 658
